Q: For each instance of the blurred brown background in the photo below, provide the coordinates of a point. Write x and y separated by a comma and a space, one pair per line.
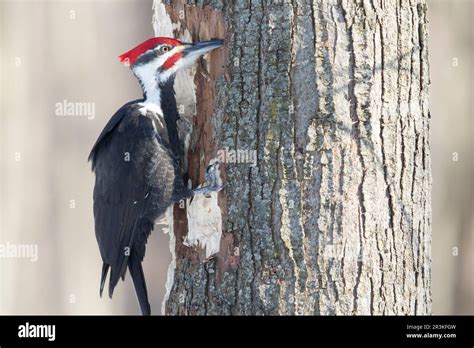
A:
53, 51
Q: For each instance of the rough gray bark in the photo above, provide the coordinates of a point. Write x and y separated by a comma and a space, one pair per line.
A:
336, 216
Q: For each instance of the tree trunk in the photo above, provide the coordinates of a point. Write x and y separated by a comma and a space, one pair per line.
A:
335, 217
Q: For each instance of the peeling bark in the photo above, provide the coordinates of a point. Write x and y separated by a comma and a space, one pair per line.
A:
335, 219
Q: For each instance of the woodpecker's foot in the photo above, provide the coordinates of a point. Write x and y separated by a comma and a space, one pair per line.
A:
212, 180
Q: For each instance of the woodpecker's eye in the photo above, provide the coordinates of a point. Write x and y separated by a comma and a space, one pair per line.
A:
164, 49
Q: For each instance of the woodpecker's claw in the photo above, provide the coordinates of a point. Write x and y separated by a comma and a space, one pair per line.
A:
211, 172
212, 180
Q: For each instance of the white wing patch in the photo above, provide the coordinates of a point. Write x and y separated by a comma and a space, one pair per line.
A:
150, 107
155, 111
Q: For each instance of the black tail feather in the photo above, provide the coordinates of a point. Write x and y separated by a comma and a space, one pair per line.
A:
105, 270
136, 271
116, 275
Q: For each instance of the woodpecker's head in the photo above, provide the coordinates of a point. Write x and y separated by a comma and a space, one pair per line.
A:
159, 58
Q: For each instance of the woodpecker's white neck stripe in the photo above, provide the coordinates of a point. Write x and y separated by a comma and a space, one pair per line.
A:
146, 75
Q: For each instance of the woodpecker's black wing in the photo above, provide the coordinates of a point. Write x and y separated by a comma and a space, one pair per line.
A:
134, 185
110, 126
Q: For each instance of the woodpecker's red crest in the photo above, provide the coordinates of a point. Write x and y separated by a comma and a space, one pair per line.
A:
130, 57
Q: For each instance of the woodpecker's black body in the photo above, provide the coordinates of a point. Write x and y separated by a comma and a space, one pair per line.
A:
136, 160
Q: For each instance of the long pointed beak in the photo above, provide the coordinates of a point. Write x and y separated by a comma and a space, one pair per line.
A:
200, 48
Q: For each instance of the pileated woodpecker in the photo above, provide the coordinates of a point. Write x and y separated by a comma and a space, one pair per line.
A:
137, 160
